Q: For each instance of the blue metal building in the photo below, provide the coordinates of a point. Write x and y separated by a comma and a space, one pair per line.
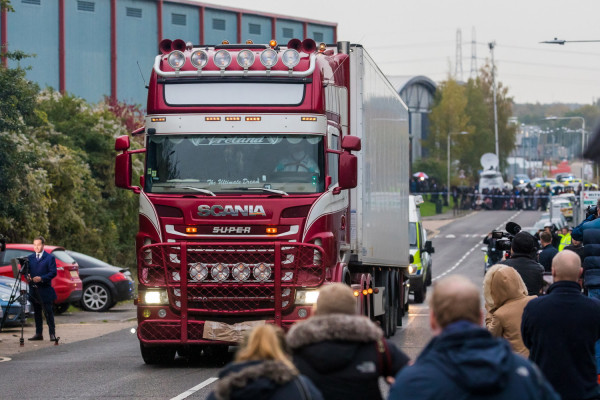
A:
97, 48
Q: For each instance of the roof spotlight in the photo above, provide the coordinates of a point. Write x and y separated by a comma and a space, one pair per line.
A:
199, 58
176, 59
245, 58
290, 58
268, 58
222, 59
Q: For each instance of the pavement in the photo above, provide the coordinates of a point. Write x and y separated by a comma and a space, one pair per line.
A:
72, 326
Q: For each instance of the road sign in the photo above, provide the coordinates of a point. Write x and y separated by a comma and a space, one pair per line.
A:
589, 198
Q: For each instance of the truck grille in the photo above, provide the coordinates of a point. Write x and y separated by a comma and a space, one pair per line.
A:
218, 278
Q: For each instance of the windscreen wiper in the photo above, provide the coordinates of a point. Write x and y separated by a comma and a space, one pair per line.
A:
275, 191
205, 191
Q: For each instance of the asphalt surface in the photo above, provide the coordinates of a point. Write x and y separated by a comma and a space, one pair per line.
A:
109, 365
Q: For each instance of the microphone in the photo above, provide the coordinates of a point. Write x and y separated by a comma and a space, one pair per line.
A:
513, 228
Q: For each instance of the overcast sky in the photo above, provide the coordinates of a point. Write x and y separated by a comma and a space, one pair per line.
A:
418, 37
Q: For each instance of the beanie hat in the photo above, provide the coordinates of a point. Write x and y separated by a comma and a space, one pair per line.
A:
524, 243
336, 298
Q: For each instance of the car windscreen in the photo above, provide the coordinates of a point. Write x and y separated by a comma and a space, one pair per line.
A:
235, 163
63, 256
412, 234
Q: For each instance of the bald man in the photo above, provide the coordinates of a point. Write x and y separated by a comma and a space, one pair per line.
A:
463, 360
561, 329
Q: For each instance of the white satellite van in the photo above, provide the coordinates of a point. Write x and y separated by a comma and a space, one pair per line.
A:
490, 178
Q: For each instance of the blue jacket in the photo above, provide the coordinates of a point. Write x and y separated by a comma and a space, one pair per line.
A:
546, 256
560, 331
46, 269
466, 362
589, 233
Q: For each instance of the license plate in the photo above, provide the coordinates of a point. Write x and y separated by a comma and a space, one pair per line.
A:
74, 274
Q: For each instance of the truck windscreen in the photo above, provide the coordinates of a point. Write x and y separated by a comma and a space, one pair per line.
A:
237, 163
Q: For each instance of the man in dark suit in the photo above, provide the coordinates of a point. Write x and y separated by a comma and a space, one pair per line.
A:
42, 269
548, 251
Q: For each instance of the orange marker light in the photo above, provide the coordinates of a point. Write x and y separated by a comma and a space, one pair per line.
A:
370, 290
308, 118
212, 118
273, 43
249, 41
191, 229
233, 118
365, 292
225, 42
356, 293
322, 47
271, 231
253, 118
158, 119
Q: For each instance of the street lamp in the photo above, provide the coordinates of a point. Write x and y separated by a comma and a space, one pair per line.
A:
448, 160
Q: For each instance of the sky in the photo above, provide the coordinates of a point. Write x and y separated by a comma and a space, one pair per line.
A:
419, 37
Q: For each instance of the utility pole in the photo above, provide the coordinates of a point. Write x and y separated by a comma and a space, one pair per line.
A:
458, 69
492, 45
473, 73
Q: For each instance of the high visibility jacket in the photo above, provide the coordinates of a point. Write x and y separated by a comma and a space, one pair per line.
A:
565, 240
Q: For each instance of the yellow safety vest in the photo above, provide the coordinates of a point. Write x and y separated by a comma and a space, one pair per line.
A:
565, 240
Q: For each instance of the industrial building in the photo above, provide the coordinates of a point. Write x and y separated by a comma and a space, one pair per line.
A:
97, 48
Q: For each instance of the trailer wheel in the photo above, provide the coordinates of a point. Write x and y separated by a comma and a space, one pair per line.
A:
157, 355
393, 303
419, 291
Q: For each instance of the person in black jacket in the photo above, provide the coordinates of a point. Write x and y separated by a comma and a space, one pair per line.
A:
262, 370
463, 360
42, 269
342, 353
522, 258
561, 328
548, 251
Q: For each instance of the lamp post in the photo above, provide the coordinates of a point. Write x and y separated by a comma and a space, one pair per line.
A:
448, 161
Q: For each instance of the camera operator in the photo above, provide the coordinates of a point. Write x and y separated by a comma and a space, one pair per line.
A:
42, 269
494, 254
523, 258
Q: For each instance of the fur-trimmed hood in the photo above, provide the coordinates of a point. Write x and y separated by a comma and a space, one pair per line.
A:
337, 327
257, 379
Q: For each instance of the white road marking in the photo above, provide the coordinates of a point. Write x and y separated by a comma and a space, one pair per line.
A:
193, 390
451, 236
477, 245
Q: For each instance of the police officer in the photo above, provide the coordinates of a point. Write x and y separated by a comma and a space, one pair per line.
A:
565, 238
42, 269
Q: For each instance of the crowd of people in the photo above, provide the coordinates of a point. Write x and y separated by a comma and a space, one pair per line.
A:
531, 340
528, 197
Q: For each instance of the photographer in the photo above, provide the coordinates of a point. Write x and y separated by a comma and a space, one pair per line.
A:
42, 269
494, 254
523, 258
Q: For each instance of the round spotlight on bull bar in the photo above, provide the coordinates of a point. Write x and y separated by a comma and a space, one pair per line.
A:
290, 58
176, 59
198, 272
262, 272
222, 59
268, 58
245, 58
199, 58
220, 272
241, 272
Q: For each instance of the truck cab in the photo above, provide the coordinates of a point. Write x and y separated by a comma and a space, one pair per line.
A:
420, 250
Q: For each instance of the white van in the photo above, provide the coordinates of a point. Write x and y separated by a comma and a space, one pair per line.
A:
490, 179
420, 249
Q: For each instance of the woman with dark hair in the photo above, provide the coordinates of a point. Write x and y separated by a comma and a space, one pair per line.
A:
262, 370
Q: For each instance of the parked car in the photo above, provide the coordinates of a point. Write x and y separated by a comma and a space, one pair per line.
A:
564, 177
558, 220
520, 179
67, 284
564, 205
543, 182
103, 284
14, 312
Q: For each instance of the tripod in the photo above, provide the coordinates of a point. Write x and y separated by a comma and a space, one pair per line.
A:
19, 293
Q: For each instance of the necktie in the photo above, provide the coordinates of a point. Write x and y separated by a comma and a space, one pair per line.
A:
38, 257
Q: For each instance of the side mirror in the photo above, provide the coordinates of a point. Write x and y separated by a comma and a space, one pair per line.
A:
122, 143
123, 171
351, 143
429, 247
348, 171
411, 259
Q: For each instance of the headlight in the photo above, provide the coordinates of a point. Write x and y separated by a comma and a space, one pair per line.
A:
245, 58
412, 268
220, 272
176, 59
306, 297
268, 58
262, 272
241, 272
156, 297
199, 58
222, 59
198, 272
290, 58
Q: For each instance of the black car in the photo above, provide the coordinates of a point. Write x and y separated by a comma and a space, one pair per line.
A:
103, 284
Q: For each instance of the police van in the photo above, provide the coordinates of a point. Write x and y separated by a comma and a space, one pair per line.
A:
421, 250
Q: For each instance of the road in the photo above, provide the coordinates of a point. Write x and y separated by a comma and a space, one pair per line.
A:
110, 366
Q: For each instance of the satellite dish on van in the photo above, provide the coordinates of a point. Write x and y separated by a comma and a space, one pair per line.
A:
489, 161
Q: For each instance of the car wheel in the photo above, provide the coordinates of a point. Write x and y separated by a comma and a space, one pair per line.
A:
60, 308
420, 291
96, 297
428, 276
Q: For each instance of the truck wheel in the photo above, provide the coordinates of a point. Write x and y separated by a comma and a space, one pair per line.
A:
420, 291
157, 355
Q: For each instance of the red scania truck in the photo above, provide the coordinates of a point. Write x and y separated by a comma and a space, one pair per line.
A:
269, 171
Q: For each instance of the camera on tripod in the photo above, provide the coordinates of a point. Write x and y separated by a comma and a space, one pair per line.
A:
503, 240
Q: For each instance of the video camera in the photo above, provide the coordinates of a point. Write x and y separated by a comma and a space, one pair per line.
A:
503, 240
591, 210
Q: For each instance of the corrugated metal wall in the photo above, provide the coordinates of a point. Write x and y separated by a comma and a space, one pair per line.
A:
35, 25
